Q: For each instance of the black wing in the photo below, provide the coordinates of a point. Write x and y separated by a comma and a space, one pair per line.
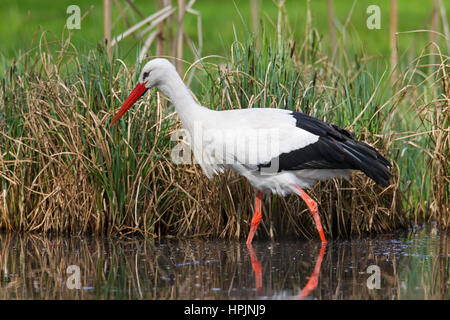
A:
336, 148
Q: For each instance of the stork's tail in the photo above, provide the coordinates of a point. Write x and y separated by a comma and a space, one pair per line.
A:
365, 158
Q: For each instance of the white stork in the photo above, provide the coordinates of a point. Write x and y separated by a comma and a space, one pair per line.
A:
279, 151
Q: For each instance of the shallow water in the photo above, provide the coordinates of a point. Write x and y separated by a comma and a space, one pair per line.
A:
408, 265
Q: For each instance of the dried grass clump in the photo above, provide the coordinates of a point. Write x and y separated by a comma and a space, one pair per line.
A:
64, 170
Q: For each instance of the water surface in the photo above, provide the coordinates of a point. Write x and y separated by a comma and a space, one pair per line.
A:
408, 265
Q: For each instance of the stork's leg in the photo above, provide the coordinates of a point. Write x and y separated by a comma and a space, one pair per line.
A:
312, 206
256, 217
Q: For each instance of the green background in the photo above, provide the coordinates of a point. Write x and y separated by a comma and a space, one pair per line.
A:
23, 21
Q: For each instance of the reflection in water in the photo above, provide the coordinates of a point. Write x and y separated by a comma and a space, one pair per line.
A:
312, 282
412, 266
310, 285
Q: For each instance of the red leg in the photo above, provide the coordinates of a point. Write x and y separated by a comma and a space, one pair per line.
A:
312, 206
256, 217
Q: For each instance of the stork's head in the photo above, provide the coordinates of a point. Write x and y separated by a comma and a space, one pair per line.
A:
152, 75
155, 72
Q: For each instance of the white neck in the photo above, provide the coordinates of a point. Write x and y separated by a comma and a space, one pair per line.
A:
188, 110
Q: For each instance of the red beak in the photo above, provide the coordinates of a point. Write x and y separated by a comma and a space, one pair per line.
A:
137, 92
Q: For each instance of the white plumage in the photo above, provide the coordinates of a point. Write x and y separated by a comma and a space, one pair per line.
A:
278, 151
243, 139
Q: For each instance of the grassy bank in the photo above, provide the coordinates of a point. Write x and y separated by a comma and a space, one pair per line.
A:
63, 169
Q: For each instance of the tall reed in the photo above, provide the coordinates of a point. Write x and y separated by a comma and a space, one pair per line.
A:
64, 170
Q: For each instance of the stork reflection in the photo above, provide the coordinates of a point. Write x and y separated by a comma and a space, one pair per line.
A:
310, 285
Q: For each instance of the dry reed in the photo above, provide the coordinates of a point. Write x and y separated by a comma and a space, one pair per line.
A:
62, 169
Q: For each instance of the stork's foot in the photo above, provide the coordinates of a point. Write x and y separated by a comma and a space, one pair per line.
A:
312, 206
256, 217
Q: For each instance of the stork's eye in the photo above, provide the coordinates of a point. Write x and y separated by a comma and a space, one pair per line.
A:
145, 75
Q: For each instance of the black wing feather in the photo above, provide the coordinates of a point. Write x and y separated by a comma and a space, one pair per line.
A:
336, 148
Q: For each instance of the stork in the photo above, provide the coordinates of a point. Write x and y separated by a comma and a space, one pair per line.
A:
279, 151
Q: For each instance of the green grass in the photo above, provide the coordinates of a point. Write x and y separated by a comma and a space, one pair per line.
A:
22, 21
63, 169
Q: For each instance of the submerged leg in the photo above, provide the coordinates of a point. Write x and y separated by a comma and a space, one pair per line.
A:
312, 206
256, 217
